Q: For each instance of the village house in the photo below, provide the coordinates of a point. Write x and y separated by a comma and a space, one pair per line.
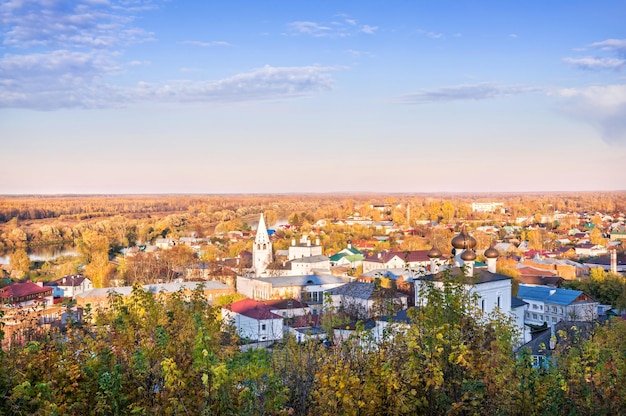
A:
551, 305
69, 286
26, 294
416, 259
306, 288
98, 299
253, 320
365, 300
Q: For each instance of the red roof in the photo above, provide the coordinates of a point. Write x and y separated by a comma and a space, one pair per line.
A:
19, 290
252, 309
531, 271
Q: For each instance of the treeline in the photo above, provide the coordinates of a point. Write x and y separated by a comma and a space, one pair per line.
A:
331, 206
169, 356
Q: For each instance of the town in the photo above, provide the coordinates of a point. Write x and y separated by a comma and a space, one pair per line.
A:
548, 281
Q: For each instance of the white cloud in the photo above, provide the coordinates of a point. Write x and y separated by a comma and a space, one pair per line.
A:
266, 83
463, 93
596, 63
67, 24
603, 107
309, 28
618, 45
334, 29
431, 34
370, 30
205, 44
72, 80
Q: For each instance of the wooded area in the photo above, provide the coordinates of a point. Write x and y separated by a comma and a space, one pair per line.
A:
169, 356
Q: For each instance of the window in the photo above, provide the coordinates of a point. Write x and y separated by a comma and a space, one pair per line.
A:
482, 305
534, 306
263, 327
534, 316
541, 307
554, 309
553, 319
498, 301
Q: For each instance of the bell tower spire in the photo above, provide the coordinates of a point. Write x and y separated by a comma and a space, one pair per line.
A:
262, 254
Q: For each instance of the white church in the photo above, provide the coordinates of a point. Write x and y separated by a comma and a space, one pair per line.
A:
304, 257
493, 289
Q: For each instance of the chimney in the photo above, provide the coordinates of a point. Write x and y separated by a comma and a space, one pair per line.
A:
317, 241
39, 283
349, 244
434, 266
491, 265
614, 260
468, 267
308, 242
293, 241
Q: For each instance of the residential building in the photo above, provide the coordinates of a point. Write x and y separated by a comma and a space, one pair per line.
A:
365, 300
416, 259
253, 320
551, 305
98, 299
69, 286
306, 288
26, 294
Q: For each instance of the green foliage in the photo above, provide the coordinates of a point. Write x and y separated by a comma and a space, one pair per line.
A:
157, 354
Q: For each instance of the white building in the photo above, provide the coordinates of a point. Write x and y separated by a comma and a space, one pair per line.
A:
253, 320
306, 288
304, 248
70, 286
492, 290
552, 305
262, 255
487, 207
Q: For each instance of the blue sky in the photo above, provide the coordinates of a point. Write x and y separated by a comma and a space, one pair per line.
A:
130, 96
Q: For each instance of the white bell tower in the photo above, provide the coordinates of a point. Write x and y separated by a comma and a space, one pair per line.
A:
262, 254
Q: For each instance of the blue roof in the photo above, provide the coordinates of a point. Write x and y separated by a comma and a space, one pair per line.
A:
548, 294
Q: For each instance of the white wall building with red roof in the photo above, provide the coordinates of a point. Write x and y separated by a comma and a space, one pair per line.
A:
253, 320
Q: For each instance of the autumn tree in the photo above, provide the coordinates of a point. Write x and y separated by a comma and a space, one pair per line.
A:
20, 262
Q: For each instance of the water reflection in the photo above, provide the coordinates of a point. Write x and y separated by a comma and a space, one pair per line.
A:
44, 253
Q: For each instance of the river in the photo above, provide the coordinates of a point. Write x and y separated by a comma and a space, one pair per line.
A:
43, 253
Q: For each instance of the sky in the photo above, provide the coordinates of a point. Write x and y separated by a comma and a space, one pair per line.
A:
149, 96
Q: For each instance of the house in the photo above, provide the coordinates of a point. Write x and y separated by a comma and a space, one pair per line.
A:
70, 286
416, 259
304, 248
563, 333
253, 320
310, 264
307, 288
565, 268
349, 256
537, 276
551, 305
98, 299
590, 250
26, 294
287, 308
365, 300
614, 262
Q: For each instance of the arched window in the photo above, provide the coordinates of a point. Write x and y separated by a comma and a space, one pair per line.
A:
482, 305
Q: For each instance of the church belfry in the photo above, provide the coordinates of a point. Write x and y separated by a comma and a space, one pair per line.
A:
262, 254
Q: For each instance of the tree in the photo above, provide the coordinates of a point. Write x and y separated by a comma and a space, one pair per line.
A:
447, 209
596, 237
20, 262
